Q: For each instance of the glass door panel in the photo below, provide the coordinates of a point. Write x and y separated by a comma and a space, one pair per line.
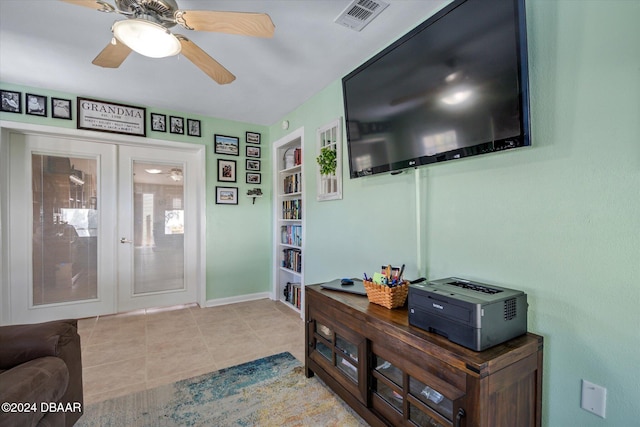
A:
158, 227
65, 229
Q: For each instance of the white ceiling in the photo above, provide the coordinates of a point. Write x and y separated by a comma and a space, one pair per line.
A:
50, 44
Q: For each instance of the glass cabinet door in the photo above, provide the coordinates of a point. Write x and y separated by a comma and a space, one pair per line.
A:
338, 351
405, 400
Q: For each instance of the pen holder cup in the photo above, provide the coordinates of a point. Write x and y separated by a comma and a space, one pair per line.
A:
389, 297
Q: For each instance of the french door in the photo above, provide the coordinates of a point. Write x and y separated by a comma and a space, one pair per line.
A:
93, 229
157, 238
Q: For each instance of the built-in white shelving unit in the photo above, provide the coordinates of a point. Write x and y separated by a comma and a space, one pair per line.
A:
288, 275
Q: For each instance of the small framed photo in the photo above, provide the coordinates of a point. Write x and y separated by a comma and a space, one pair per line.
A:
158, 122
11, 101
253, 151
61, 108
254, 178
226, 195
223, 144
193, 127
253, 138
253, 165
36, 105
176, 125
226, 170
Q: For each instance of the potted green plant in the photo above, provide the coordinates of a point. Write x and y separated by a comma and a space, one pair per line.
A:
327, 161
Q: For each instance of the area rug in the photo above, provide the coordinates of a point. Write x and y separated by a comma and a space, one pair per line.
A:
272, 391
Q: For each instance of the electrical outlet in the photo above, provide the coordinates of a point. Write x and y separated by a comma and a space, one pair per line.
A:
594, 398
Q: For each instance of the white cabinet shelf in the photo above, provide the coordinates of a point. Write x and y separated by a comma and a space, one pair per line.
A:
288, 214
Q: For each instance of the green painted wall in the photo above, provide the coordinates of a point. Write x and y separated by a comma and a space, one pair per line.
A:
559, 220
232, 270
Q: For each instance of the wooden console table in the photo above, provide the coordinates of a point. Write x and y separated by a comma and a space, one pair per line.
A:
392, 373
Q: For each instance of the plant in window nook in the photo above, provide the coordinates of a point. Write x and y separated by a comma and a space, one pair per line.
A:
327, 161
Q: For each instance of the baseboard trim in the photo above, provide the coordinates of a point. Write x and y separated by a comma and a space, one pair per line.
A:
232, 300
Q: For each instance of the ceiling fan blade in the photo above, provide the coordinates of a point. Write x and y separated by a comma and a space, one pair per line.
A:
113, 55
202, 60
243, 23
93, 4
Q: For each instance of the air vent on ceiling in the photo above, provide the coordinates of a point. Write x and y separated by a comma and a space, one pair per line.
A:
360, 12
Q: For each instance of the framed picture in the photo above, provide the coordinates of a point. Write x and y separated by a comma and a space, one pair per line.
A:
226, 195
113, 118
226, 170
253, 151
253, 165
36, 105
223, 144
158, 122
61, 108
254, 178
11, 101
176, 125
193, 127
253, 138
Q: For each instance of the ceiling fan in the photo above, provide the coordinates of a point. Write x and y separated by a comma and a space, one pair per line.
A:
146, 31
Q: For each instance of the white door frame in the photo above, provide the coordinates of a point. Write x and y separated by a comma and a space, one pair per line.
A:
8, 127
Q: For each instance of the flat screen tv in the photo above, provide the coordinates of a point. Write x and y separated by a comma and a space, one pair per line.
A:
453, 87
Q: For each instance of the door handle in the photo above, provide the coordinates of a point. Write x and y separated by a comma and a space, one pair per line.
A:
124, 240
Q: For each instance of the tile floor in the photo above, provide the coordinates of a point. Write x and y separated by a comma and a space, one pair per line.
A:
129, 352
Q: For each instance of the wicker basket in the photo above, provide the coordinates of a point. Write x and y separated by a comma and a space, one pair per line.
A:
385, 296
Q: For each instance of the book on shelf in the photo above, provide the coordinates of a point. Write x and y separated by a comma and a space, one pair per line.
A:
292, 209
297, 156
293, 294
292, 183
291, 235
292, 259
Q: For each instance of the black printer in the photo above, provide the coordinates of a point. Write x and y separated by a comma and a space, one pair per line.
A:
474, 315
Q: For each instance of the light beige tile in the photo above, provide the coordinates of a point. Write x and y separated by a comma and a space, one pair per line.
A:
246, 350
129, 352
174, 331
227, 330
182, 375
112, 376
219, 313
114, 351
117, 332
259, 308
172, 361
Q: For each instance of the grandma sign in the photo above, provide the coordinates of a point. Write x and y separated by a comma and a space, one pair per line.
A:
110, 117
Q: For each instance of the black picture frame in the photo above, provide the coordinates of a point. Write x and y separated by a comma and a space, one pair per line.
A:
114, 117
158, 122
229, 145
252, 165
253, 137
176, 125
254, 178
226, 195
193, 128
226, 170
35, 105
253, 151
61, 108
11, 101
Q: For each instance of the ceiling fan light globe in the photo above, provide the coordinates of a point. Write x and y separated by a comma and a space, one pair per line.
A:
147, 38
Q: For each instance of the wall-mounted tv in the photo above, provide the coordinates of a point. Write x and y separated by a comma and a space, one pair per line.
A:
453, 87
